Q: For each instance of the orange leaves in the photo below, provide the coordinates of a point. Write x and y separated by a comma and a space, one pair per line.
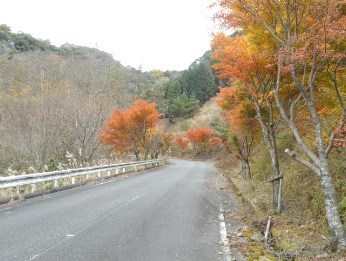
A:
240, 114
167, 140
241, 63
129, 130
203, 137
181, 142
229, 51
214, 142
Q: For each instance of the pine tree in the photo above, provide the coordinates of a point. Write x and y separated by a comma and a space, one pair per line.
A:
174, 91
210, 85
205, 82
183, 106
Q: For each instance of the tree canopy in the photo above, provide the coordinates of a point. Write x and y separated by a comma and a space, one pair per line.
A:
129, 130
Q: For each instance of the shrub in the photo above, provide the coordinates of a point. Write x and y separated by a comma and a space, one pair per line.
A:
52, 165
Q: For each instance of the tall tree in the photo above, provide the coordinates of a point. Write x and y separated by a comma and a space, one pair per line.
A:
308, 40
244, 66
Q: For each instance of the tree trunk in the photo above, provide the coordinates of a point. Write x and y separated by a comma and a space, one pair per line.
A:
275, 163
320, 166
241, 169
247, 170
331, 204
270, 140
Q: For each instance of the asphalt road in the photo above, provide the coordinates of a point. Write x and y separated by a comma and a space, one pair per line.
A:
167, 213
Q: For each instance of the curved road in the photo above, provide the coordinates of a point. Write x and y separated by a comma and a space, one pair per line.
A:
167, 213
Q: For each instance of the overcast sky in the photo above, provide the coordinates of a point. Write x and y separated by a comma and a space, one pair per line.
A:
165, 35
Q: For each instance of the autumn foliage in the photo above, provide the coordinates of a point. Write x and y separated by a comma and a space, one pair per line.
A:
167, 141
181, 143
202, 137
304, 45
129, 130
244, 127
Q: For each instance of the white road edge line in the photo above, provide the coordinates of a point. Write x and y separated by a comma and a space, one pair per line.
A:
223, 230
105, 182
5, 209
223, 236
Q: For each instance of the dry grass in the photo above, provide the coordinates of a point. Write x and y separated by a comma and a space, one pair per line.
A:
300, 227
203, 118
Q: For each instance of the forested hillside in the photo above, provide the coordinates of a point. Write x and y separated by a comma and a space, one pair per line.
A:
55, 99
193, 88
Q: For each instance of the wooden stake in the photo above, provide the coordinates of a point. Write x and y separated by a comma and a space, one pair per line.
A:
272, 196
279, 199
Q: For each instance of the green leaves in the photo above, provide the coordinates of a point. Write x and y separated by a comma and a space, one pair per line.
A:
193, 88
183, 106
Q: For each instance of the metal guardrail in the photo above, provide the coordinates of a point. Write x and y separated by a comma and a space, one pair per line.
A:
33, 179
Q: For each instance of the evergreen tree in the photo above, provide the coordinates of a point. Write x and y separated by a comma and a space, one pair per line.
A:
194, 103
165, 88
174, 91
205, 82
211, 87
183, 83
183, 106
199, 86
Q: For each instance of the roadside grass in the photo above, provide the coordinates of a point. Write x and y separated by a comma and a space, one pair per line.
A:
302, 226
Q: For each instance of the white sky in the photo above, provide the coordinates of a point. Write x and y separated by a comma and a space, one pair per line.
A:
165, 35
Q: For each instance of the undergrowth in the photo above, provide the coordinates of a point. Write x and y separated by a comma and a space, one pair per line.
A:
303, 217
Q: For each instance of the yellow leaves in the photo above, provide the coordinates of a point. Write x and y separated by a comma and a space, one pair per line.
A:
61, 86
157, 74
23, 92
14, 92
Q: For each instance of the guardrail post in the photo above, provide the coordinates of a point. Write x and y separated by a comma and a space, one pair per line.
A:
156, 163
87, 176
109, 172
99, 174
123, 170
56, 184
116, 171
33, 188
73, 180
151, 164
